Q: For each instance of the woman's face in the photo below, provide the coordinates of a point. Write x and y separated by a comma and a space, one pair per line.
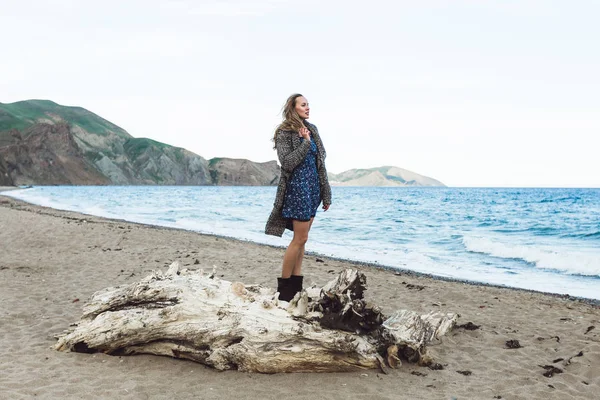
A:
302, 107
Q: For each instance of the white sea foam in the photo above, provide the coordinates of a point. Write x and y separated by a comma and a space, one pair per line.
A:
570, 261
34, 198
97, 210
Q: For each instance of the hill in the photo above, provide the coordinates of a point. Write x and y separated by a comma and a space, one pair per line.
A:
45, 143
381, 176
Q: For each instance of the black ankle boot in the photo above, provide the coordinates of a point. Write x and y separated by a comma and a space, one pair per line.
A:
285, 289
296, 283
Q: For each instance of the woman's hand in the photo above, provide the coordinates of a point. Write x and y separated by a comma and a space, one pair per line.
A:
304, 133
325, 207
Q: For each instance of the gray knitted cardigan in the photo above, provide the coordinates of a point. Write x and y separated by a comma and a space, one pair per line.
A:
291, 151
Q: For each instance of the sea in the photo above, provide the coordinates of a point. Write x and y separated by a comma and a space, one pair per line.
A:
545, 240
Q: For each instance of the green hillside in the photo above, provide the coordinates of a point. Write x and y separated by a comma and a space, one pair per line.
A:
134, 147
22, 114
44, 143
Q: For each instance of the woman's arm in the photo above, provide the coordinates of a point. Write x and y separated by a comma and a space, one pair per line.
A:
290, 158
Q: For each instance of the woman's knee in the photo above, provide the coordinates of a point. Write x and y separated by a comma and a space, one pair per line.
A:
301, 239
301, 229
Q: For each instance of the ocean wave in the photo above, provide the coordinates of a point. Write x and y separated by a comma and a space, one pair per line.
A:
542, 230
96, 210
587, 236
571, 262
34, 197
537, 230
492, 222
591, 235
567, 198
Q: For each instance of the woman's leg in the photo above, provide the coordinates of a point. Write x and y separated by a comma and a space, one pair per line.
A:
290, 257
298, 266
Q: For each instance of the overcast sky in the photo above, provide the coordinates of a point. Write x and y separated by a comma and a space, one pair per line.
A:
469, 92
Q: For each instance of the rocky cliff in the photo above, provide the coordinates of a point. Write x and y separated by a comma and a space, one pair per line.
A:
5, 178
240, 172
150, 162
48, 153
46, 143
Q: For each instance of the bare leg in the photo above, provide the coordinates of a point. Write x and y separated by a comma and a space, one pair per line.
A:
291, 254
298, 266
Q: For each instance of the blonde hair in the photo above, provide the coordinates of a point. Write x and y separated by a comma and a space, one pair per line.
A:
291, 119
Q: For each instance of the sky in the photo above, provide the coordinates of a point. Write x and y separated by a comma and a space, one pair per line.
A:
470, 92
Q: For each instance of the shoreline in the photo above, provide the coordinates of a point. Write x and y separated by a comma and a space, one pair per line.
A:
52, 261
382, 267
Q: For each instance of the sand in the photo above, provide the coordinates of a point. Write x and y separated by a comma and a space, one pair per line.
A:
52, 261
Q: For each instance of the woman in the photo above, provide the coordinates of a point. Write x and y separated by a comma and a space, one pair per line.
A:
302, 187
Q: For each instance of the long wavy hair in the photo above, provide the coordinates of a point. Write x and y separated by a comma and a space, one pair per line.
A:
291, 119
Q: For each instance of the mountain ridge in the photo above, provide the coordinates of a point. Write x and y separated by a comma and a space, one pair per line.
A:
35, 153
45, 143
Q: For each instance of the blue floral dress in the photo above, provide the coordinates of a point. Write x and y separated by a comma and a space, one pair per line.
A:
303, 193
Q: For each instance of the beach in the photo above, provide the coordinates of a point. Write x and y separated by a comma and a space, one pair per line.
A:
52, 261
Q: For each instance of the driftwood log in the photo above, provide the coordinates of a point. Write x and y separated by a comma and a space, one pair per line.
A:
197, 316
